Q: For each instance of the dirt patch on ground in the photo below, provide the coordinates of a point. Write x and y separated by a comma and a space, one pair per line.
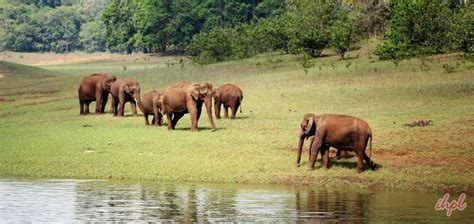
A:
53, 58
42, 94
2, 99
3, 74
419, 123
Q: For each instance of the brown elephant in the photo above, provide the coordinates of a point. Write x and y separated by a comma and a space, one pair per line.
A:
124, 90
186, 97
340, 153
95, 87
338, 131
227, 95
151, 104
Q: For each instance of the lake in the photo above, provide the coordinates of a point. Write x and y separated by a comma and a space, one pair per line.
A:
66, 201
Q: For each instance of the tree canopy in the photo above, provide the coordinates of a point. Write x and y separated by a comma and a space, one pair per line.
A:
218, 30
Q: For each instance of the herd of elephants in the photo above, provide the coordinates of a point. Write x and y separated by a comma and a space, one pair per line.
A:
345, 133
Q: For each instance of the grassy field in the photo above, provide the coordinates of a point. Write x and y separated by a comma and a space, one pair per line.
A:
42, 134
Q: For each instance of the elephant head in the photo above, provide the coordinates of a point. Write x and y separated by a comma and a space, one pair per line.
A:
160, 105
307, 129
203, 92
107, 83
133, 90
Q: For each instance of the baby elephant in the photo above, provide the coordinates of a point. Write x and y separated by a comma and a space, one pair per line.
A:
339, 131
151, 104
230, 96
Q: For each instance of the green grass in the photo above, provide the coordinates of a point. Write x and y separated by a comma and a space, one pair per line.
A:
42, 134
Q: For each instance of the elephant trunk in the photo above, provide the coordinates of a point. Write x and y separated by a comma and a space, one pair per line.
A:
300, 148
140, 106
137, 98
208, 103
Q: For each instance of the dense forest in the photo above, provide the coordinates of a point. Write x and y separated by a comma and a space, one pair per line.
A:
219, 30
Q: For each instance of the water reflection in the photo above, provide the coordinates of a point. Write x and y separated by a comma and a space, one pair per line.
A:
95, 201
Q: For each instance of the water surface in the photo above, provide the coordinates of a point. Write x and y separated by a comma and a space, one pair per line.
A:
67, 201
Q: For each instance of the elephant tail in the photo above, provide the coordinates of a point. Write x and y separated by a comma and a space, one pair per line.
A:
370, 147
240, 102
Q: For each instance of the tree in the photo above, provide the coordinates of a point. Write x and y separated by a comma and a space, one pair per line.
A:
420, 28
92, 36
341, 34
119, 28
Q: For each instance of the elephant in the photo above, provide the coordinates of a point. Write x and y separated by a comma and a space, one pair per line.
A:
95, 87
339, 155
335, 130
229, 96
124, 90
151, 104
186, 97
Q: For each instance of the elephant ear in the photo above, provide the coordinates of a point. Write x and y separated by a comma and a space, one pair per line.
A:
308, 126
108, 82
126, 88
194, 92
204, 89
209, 88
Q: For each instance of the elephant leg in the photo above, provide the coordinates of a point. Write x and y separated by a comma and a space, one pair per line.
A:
87, 107
341, 154
105, 97
121, 100
314, 149
360, 163
81, 107
169, 119
370, 163
147, 122
217, 109
133, 105
199, 110
98, 101
309, 149
226, 114
159, 119
234, 110
194, 118
344, 154
121, 109
114, 106
325, 156
176, 117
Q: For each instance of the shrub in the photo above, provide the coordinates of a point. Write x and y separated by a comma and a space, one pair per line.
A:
421, 28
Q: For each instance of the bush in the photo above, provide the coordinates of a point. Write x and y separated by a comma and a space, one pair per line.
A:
421, 28
304, 30
340, 35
